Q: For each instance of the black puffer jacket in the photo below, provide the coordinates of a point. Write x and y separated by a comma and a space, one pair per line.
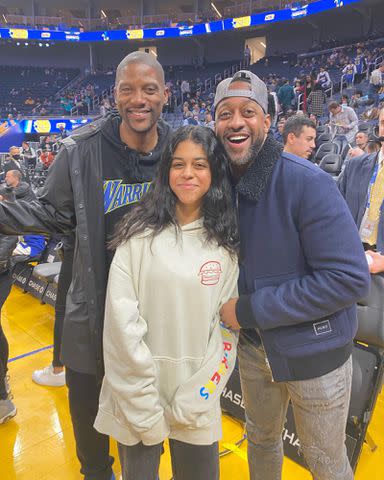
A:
7, 245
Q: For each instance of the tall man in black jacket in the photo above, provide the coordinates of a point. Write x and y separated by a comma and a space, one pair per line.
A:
96, 177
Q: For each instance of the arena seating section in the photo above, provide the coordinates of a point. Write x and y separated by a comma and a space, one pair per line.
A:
35, 82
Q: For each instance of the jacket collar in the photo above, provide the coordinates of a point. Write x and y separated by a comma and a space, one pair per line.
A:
255, 179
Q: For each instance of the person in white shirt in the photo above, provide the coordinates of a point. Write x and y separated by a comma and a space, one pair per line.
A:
167, 356
323, 78
343, 120
376, 83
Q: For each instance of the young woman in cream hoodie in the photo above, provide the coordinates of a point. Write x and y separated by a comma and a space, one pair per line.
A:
167, 357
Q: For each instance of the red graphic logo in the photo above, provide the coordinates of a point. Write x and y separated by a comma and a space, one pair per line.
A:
210, 273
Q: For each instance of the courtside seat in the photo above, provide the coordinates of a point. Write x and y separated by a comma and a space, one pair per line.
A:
331, 163
321, 129
365, 127
322, 138
370, 314
324, 150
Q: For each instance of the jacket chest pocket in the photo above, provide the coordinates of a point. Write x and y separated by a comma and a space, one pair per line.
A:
306, 335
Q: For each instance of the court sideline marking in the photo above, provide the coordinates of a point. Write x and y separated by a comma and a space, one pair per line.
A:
28, 354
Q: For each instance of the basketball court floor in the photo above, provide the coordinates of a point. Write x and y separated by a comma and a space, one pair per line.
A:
38, 443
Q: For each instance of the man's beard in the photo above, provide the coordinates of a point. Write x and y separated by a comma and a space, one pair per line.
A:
249, 155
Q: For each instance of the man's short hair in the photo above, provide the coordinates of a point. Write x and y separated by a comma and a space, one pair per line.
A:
16, 173
362, 131
333, 105
140, 57
295, 125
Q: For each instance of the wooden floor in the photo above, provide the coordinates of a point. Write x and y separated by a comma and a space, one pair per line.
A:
38, 443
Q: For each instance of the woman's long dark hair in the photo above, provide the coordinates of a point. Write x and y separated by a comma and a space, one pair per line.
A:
157, 209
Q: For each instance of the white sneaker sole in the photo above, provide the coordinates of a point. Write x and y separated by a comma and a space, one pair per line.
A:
9, 416
40, 382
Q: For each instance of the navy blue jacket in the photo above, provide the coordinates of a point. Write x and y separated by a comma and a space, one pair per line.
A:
354, 185
302, 265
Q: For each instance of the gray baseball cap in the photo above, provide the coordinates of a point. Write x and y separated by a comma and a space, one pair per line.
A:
257, 91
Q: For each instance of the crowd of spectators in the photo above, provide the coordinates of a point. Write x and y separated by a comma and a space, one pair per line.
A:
309, 89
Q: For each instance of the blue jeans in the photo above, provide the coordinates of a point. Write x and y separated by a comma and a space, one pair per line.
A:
320, 407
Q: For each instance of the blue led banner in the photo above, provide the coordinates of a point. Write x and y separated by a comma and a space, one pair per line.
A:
12, 132
227, 24
52, 125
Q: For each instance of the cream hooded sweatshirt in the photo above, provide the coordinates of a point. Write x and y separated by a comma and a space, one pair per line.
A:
167, 357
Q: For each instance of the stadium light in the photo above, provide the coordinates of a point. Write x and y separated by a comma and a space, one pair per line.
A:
263, 44
216, 10
5, 18
104, 15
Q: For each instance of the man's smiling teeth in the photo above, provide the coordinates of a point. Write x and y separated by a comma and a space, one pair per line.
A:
238, 138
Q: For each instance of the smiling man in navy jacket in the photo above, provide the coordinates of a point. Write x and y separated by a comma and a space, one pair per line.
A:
302, 269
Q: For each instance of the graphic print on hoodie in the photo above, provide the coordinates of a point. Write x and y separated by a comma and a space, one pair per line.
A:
127, 174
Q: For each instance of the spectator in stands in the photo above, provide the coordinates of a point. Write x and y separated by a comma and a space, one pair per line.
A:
12, 162
299, 136
46, 157
286, 95
158, 392
349, 72
361, 64
63, 132
29, 155
29, 101
345, 99
323, 79
361, 139
376, 83
371, 112
360, 145
308, 86
185, 90
290, 212
112, 165
280, 129
7, 407
316, 101
53, 375
343, 120
362, 185
209, 122
20, 190
314, 119
247, 55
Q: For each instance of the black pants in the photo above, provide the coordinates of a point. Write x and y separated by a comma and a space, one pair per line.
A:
5, 288
189, 462
92, 447
62, 289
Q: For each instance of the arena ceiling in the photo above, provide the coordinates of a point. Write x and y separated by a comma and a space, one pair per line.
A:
183, 5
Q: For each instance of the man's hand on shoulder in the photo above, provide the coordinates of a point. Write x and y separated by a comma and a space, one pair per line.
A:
377, 263
228, 314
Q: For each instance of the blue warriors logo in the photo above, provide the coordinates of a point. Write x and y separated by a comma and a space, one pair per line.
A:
118, 194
